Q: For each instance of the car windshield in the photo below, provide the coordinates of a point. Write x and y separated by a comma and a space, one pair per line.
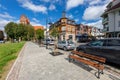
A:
96, 43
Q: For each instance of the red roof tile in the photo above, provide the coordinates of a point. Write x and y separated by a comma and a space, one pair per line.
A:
38, 27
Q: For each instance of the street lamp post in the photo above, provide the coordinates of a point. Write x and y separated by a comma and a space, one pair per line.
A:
46, 34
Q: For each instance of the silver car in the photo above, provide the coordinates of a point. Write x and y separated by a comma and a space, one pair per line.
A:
66, 45
48, 41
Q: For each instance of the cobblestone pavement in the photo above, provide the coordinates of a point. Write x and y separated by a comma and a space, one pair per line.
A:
38, 64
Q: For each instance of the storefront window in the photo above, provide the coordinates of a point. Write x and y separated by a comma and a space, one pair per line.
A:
70, 37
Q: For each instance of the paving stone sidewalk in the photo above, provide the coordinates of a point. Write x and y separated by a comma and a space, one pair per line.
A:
36, 63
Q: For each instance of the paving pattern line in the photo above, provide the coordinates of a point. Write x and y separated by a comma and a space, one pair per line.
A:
14, 71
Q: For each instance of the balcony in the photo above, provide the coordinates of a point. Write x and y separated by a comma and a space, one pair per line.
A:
105, 20
106, 29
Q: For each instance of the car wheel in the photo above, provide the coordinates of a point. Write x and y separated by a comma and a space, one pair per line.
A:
65, 49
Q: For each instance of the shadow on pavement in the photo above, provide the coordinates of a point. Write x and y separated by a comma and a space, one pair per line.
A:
113, 77
56, 53
82, 65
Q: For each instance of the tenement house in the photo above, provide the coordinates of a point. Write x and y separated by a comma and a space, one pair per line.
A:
66, 28
111, 19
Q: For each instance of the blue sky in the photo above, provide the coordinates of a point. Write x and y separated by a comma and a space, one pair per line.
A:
82, 11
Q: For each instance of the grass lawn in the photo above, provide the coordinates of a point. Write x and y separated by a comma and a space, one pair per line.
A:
8, 52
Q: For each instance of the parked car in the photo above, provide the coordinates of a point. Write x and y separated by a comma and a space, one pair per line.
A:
2, 41
107, 48
48, 41
66, 45
85, 38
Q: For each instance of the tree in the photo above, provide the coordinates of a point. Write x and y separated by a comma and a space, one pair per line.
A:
16, 31
39, 34
21, 31
54, 32
10, 30
1, 35
29, 32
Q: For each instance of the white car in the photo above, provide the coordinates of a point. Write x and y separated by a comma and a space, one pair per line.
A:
66, 45
1, 41
48, 41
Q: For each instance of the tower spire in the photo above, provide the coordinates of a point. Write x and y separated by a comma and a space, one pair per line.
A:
63, 14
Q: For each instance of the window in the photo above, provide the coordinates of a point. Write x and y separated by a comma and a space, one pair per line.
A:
64, 28
73, 29
70, 37
69, 29
63, 42
78, 32
119, 12
113, 43
69, 22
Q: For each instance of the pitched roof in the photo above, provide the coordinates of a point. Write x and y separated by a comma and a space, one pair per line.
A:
38, 27
114, 7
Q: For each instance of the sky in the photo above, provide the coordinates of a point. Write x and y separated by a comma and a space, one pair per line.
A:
38, 11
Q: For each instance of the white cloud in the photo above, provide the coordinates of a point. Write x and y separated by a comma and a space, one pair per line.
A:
46, 0
70, 16
50, 1
93, 12
3, 22
35, 23
52, 7
97, 2
6, 15
97, 24
76, 20
73, 3
94, 2
34, 19
95, 9
4, 19
36, 8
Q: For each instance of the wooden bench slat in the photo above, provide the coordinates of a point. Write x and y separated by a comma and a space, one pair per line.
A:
98, 66
93, 57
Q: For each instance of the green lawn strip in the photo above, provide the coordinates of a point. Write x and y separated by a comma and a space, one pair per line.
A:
8, 52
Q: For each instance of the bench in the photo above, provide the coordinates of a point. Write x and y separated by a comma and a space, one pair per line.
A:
92, 60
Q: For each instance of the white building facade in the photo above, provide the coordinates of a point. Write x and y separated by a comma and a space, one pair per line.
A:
111, 19
96, 32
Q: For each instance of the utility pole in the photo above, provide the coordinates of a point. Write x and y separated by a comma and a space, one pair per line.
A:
46, 33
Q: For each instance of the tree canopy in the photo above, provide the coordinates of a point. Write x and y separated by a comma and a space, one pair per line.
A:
16, 31
54, 32
39, 34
